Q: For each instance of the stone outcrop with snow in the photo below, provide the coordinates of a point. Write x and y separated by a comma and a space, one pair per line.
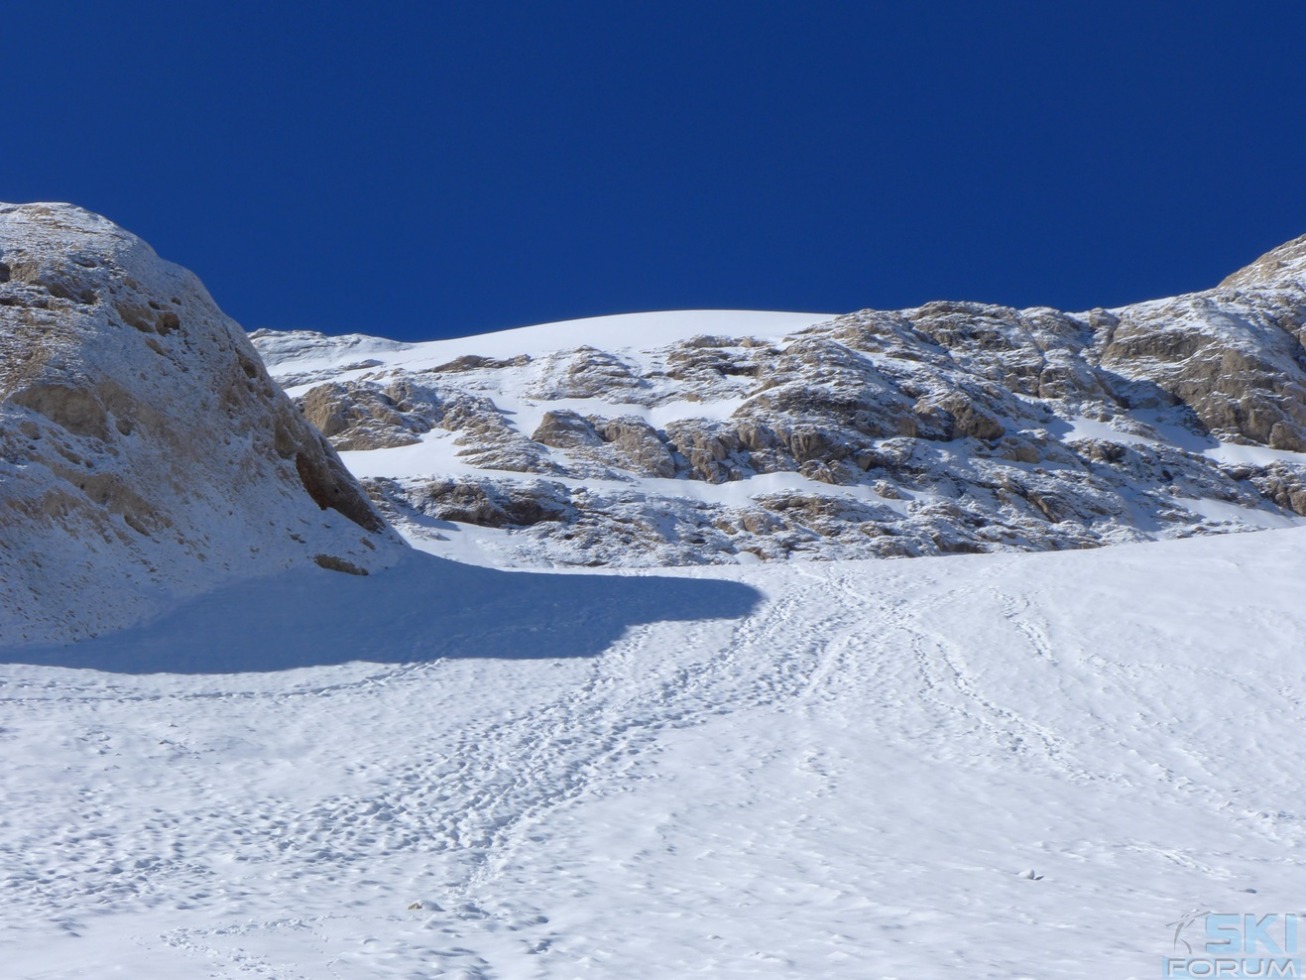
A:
952, 427
145, 454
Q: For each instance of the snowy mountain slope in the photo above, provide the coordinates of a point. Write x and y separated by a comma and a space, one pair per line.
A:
796, 770
144, 453
714, 436
985, 765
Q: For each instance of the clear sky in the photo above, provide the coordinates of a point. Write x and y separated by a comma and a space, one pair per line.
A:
438, 168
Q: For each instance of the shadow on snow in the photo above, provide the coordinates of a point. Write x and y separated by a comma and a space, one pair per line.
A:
422, 609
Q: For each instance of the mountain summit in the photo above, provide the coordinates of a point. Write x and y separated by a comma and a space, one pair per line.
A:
145, 454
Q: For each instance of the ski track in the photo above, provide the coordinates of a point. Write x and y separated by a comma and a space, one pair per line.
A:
283, 825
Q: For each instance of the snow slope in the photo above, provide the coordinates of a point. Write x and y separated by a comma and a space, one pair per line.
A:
991, 765
799, 770
301, 352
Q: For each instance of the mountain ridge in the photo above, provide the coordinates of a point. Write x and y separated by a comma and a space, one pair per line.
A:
952, 426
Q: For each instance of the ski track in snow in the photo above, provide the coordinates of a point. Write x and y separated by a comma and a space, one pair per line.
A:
847, 782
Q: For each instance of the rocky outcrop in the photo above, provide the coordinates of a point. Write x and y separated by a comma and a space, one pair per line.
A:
1282, 268
1235, 360
145, 453
362, 416
484, 503
949, 428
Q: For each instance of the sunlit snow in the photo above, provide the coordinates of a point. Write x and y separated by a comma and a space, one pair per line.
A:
830, 769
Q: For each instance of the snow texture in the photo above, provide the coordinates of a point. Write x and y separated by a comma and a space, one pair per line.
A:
806, 769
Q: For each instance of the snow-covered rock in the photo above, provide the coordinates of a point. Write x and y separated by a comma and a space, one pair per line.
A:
714, 436
145, 454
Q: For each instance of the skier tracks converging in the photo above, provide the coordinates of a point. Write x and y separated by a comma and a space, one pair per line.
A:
945, 683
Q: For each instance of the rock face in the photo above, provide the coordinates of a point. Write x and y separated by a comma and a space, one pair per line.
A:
145, 453
952, 427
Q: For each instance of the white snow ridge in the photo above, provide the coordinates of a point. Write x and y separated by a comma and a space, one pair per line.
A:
609, 718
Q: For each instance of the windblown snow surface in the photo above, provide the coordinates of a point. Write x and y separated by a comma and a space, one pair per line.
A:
988, 766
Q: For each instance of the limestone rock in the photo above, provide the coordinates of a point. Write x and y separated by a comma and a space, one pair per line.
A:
145, 454
953, 427
485, 504
1283, 267
562, 429
637, 446
358, 415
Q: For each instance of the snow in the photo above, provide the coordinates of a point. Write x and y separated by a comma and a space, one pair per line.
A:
809, 769
1218, 511
1163, 433
1003, 765
618, 332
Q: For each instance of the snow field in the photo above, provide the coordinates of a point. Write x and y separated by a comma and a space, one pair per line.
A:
836, 769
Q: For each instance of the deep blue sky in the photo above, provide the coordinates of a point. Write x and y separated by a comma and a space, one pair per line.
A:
437, 168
